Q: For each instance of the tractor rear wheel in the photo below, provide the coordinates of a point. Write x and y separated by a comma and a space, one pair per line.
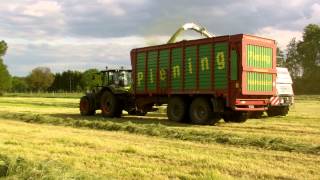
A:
110, 106
87, 106
201, 112
177, 109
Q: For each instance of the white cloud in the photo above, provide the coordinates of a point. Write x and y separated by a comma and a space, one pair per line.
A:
117, 7
72, 53
42, 8
282, 36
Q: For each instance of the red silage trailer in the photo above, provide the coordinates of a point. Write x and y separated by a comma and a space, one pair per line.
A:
205, 79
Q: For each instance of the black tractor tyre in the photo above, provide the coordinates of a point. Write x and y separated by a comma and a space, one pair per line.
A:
215, 117
235, 116
141, 113
201, 112
283, 111
87, 106
136, 112
132, 112
255, 114
240, 116
110, 105
273, 111
278, 111
177, 109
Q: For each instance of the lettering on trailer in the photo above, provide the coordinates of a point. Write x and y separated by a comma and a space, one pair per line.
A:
261, 57
140, 78
221, 61
204, 66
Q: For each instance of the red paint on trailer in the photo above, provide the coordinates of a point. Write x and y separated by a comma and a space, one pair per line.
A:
235, 90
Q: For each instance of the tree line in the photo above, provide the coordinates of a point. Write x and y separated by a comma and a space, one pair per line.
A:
302, 58
42, 79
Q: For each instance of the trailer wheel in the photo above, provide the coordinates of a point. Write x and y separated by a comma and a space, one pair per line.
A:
86, 106
235, 116
110, 106
177, 109
201, 111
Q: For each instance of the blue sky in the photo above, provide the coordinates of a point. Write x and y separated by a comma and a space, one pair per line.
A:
82, 34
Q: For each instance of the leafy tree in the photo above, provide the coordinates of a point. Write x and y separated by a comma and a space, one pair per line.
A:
67, 81
303, 61
309, 57
309, 51
19, 84
5, 78
40, 78
293, 62
3, 48
91, 78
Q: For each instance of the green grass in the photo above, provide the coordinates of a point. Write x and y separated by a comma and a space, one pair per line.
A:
54, 142
45, 95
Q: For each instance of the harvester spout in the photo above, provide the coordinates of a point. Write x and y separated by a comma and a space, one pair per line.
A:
190, 26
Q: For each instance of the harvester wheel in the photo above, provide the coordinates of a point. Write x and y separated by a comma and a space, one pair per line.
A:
256, 114
201, 112
284, 110
240, 117
273, 111
87, 107
177, 109
110, 106
235, 116
137, 112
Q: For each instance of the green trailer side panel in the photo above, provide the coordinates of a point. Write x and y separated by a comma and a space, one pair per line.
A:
140, 74
152, 70
163, 68
190, 68
259, 57
220, 65
234, 65
259, 82
205, 66
176, 69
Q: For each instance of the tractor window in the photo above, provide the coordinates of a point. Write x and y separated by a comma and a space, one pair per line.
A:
111, 78
124, 78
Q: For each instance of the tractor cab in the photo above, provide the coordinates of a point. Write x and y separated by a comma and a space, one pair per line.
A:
119, 78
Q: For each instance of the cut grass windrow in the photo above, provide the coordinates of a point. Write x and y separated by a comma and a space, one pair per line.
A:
21, 168
159, 130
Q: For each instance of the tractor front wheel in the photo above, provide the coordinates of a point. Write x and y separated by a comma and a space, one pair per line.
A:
87, 106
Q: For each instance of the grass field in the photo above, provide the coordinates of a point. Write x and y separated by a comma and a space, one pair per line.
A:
46, 138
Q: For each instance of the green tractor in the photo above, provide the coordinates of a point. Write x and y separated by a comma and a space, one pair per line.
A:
112, 96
